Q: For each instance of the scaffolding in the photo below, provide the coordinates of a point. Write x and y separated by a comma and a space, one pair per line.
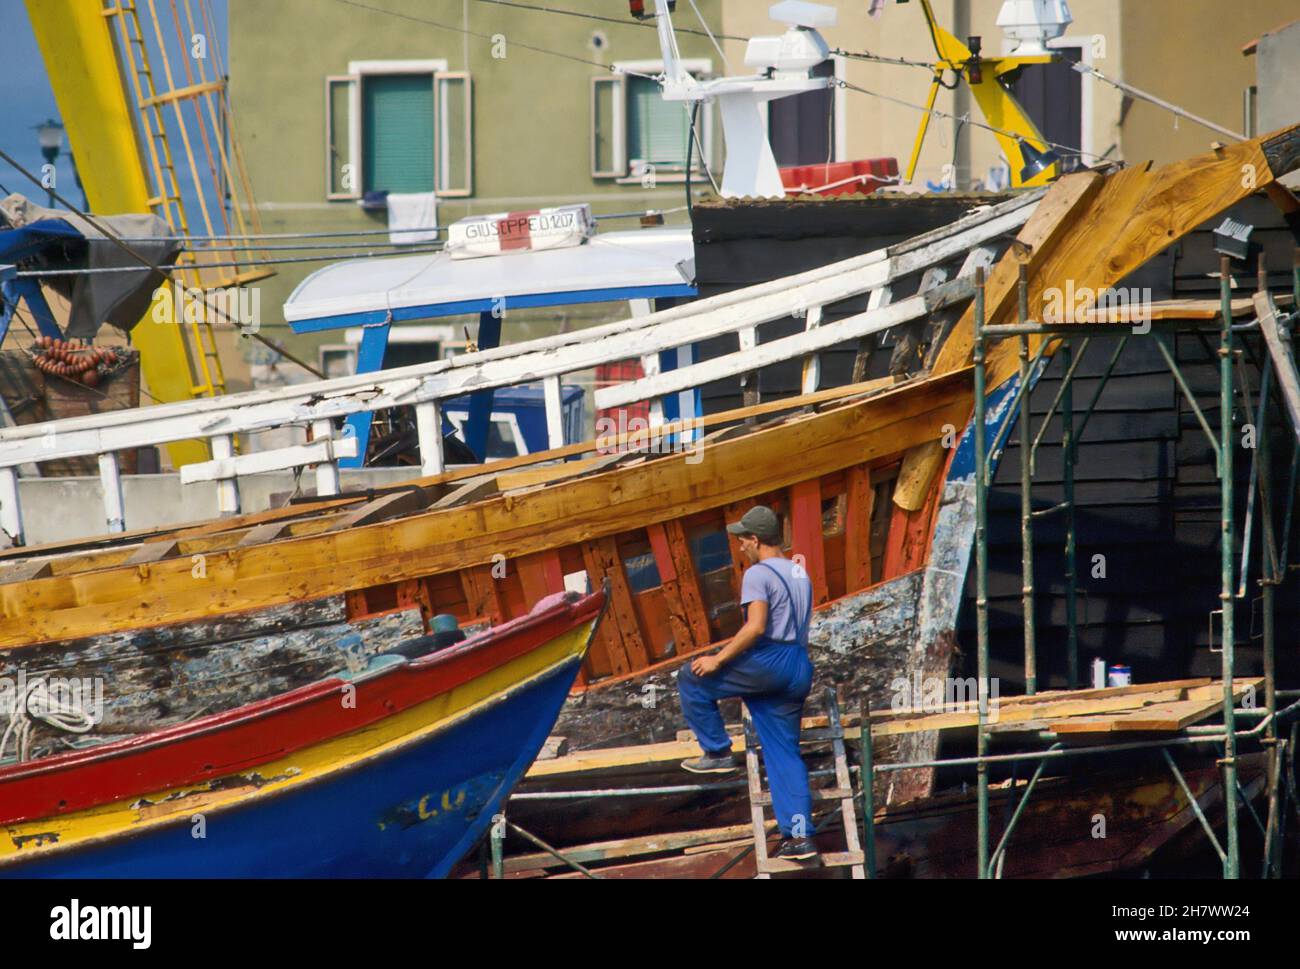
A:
1279, 379
1278, 371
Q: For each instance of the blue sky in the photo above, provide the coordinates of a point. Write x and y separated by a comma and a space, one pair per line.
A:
26, 100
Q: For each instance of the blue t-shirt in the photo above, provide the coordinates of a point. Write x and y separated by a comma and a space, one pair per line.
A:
760, 585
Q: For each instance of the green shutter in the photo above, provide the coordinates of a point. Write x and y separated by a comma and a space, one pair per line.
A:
657, 130
397, 132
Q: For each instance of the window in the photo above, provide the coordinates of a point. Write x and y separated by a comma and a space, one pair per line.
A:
397, 133
633, 128
337, 360
398, 126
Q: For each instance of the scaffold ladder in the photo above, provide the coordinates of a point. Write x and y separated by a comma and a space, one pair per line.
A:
759, 799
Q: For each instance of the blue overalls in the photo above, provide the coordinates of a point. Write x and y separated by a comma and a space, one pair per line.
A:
773, 677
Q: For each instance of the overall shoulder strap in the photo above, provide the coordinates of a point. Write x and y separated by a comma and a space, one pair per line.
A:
801, 623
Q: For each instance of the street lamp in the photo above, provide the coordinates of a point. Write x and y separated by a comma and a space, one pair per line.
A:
50, 135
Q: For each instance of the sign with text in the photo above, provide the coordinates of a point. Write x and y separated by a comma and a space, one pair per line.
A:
529, 231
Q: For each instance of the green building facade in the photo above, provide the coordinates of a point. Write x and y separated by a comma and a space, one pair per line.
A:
491, 107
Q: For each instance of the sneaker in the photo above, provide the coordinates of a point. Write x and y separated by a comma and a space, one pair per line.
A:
796, 849
711, 764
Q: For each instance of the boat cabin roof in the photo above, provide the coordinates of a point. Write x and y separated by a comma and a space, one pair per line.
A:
636, 264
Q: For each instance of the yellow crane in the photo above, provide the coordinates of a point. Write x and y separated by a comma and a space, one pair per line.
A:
117, 111
1031, 159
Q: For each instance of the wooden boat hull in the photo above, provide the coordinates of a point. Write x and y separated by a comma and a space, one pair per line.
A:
171, 671
406, 794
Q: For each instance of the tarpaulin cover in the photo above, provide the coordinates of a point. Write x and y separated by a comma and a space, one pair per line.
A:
36, 238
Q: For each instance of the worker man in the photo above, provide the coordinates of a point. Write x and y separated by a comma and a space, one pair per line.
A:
766, 664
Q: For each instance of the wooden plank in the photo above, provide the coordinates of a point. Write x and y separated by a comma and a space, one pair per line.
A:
545, 474
628, 650
754, 783
1115, 224
812, 364
1163, 717
1282, 350
540, 574
381, 509
734, 512
706, 838
230, 467
267, 532
612, 759
905, 546
678, 554
806, 534
745, 363
469, 491
481, 596
969, 718
153, 552
1172, 309
670, 588
920, 465
1171, 715
858, 501
26, 571
827, 859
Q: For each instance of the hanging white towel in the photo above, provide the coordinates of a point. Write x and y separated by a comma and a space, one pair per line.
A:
418, 210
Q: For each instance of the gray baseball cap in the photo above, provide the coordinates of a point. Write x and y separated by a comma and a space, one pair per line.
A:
759, 521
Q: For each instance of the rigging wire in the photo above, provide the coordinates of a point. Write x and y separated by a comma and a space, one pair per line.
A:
935, 112
141, 258
280, 261
478, 33
341, 233
881, 59
618, 21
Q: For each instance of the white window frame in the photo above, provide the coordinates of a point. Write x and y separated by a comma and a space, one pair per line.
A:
1087, 150
697, 66
442, 161
618, 139
349, 349
357, 72
354, 137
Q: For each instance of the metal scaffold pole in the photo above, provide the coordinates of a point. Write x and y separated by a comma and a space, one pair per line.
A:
1024, 418
981, 583
1067, 458
1270, 577
1231, 863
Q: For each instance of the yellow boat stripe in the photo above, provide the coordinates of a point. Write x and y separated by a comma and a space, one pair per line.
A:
138, 813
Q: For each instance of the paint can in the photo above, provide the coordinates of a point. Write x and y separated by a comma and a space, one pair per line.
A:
1120, 675
1098, 673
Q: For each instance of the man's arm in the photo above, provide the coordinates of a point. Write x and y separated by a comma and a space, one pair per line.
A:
749, 634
